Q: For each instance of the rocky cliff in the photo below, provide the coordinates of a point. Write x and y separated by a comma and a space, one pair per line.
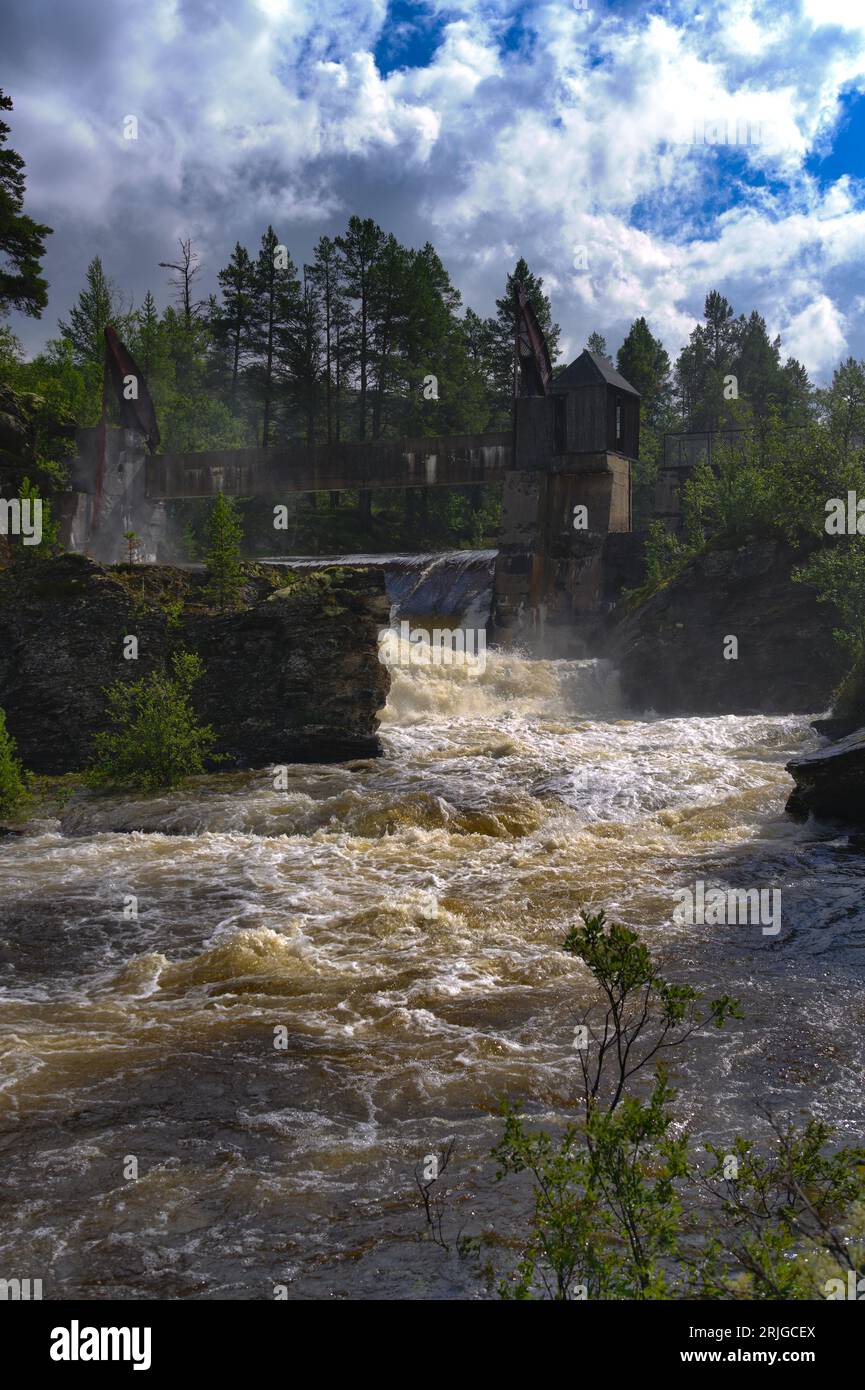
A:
292, 676
670, 649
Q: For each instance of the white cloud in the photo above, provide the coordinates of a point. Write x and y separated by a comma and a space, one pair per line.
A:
817, 335
260, 110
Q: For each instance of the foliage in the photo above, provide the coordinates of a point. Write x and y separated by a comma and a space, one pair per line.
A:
157, 740
607, 1208
665, 555
773, 482
13, 778
224, 569
597, 343
22, 241
620, 1207
49, 543
838, 574
99, 304
791, 1218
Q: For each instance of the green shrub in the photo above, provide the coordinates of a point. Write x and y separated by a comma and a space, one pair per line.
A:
13, 779
224, 570
157, 740
620, 1206
838, 574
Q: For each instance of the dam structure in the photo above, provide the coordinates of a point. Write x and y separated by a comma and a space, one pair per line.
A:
564, 469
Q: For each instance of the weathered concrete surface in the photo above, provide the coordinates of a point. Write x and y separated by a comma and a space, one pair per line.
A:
294, 676
288, 468
670, 649
551, 573
94, 524
830, 782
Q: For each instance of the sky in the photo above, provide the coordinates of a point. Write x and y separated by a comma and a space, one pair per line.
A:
636, 154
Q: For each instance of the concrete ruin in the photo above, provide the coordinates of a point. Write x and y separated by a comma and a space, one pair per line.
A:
93, 522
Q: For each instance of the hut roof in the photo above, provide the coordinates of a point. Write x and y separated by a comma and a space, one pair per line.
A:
590, 369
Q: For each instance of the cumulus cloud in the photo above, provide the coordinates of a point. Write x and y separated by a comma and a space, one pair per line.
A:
818, 333
523, 129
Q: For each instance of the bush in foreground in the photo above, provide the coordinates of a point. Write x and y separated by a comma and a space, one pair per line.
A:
157, 740
621, 1208
13, 779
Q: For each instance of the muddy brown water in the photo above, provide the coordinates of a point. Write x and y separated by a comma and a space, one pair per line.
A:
400, 921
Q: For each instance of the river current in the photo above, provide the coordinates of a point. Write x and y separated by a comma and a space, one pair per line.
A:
271, 1004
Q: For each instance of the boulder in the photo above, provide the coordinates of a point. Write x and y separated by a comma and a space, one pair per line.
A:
830, 782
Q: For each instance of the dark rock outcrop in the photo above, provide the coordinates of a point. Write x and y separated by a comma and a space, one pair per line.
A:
670, 649
293, 676
830, 782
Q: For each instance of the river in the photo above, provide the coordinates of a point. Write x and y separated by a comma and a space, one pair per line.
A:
272, 1003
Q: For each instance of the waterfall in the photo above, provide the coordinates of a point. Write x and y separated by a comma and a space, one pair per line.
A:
453, 584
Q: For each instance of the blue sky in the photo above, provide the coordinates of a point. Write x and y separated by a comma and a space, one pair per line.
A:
562, 130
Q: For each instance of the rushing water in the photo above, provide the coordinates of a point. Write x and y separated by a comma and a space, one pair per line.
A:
401, 919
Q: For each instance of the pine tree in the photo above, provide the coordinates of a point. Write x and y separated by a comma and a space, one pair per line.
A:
645, 363
479, 339
324, 275
156, 740
597, 344
98, 305
720, 329
390, 310
757, 364
188, 268
796, 394
234, 320
22, 241
359, 250
435, 343
275, 314
844, 403
704, 362
301, 356
147, 337
224, 569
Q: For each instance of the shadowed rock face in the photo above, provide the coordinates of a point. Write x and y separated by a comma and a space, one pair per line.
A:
293, 676
830, 782
670, 650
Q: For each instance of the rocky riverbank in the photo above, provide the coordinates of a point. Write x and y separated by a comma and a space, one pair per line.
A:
830, 781
670, 649
292, 676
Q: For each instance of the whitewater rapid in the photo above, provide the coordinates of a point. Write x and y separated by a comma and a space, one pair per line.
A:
397, 923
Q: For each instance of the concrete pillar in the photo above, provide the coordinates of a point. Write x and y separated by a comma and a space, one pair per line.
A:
93, 523
549, 574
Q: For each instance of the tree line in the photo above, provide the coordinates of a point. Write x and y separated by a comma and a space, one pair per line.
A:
370, 339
